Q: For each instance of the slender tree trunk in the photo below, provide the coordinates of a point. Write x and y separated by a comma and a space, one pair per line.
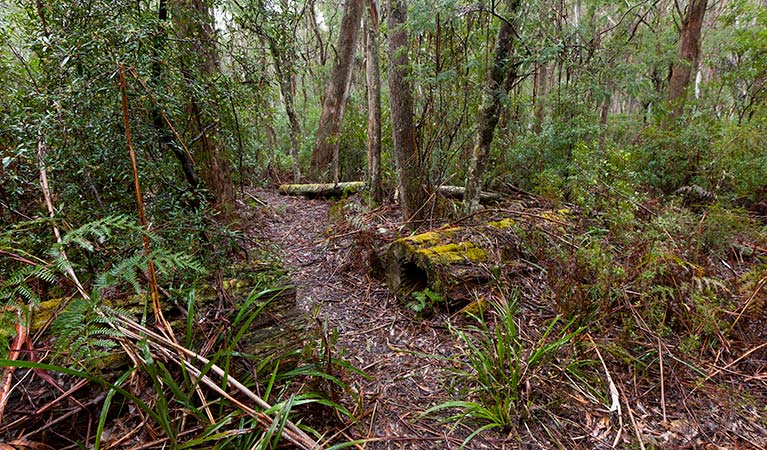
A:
164, 136
329, 128
687, 55
288, 99
373, 75
497, 81
410, 165
540, 81
195, 23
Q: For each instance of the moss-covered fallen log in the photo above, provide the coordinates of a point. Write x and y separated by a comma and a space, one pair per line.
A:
446, 264
323, 190
268, 323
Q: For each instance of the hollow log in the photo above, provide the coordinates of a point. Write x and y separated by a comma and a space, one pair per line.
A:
321, 190
444, 265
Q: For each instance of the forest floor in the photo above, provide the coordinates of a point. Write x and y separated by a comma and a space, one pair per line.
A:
616, 382
408, 358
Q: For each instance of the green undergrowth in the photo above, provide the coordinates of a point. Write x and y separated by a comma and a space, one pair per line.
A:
194, 389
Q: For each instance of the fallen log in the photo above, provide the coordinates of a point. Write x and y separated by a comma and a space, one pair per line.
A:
323, 190
268, 323
458, 192
445, 265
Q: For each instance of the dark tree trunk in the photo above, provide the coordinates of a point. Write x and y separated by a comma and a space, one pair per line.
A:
329, 128
687, 55
410, 164
502, 70
194, 21
374, 106
164, 136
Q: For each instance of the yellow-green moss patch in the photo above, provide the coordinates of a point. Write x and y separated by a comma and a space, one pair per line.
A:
454, 253
503, 224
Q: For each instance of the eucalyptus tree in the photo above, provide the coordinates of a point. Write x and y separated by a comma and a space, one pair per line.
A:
411, 171
499, 78
194, 22
373, 77
688, 54
325, 154
275, 24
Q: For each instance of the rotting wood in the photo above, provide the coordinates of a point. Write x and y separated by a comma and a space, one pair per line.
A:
279, 328
450, 261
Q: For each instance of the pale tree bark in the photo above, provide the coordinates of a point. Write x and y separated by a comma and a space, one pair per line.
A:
329, 130
373, 75
540, 84
687, 55
410, 164
497, 84
194, 21
287, 89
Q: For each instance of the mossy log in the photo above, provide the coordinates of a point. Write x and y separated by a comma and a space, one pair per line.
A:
274, 324
322, 190
450, 261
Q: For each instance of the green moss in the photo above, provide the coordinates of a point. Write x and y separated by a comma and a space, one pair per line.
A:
502, 224
454, 253
430, 238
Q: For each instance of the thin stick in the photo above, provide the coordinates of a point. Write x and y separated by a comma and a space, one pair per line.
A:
42, 151
662, 382
162, 113
153, 285
136, 331
616, 402
154, 292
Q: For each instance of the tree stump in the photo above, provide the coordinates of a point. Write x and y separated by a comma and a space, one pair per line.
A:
446, 264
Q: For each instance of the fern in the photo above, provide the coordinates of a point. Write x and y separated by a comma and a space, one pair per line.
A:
125, 271
83, 331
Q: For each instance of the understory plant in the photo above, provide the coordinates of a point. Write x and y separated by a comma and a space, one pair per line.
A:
188, 387
498, 365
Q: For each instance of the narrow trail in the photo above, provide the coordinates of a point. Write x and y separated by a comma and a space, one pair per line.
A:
375, 333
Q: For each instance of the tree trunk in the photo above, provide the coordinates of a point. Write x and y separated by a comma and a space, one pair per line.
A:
194, 21
687, 55
498, 76
540, 85
288, 98
329, 128
373, 76
164, 136
410, 166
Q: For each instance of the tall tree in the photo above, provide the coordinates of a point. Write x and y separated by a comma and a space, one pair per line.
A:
687, 55
194, 21
496, 86
372, 70
329, 129
410, 164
